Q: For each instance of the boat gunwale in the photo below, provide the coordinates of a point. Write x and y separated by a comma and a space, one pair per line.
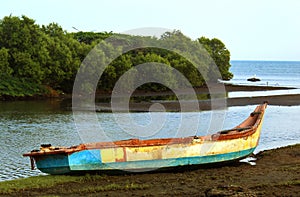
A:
258, 114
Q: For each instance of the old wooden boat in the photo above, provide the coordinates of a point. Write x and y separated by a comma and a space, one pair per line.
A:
142, 155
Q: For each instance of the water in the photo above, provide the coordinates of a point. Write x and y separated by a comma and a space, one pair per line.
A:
26, 125
272, 73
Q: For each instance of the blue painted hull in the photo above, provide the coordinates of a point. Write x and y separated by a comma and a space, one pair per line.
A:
87, 160
142, 155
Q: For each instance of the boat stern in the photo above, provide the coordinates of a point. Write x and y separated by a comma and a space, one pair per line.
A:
52, 164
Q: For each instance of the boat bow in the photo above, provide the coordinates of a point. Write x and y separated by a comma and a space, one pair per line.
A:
141, 155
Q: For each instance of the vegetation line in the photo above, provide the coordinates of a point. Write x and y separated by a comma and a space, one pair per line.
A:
44, 60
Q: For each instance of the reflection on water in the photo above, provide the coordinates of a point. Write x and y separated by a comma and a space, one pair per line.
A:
24, 125
165, 98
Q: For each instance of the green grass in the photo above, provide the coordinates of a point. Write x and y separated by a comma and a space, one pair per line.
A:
112, 187
289, 183
65, 185
37, 182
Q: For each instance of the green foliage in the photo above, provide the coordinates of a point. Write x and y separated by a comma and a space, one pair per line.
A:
46, 56
220, 54
50, 56
63, 62
19, 87
90, 37
4, 64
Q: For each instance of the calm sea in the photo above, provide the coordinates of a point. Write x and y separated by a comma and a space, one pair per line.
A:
24, 125
273, 73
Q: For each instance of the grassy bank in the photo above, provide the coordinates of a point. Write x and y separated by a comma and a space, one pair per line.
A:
63, 185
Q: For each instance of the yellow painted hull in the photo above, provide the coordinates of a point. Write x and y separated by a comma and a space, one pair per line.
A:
141, 155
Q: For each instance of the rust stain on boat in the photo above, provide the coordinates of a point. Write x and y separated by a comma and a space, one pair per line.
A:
223, 145
245, 129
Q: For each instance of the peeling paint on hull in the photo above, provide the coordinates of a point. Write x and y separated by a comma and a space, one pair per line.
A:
143, 165
142, 155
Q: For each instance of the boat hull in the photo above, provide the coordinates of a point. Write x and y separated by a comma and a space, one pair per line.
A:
137, 159
46, 164
144, 155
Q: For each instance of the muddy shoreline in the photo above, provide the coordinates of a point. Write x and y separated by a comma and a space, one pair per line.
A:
204, 104
276, 173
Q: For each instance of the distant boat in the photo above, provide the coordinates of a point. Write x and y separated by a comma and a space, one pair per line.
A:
140, 155
253, 79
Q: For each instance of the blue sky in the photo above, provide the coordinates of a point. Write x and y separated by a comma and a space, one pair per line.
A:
251, 29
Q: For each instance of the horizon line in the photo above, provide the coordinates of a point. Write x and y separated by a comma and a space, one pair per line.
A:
265, 60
